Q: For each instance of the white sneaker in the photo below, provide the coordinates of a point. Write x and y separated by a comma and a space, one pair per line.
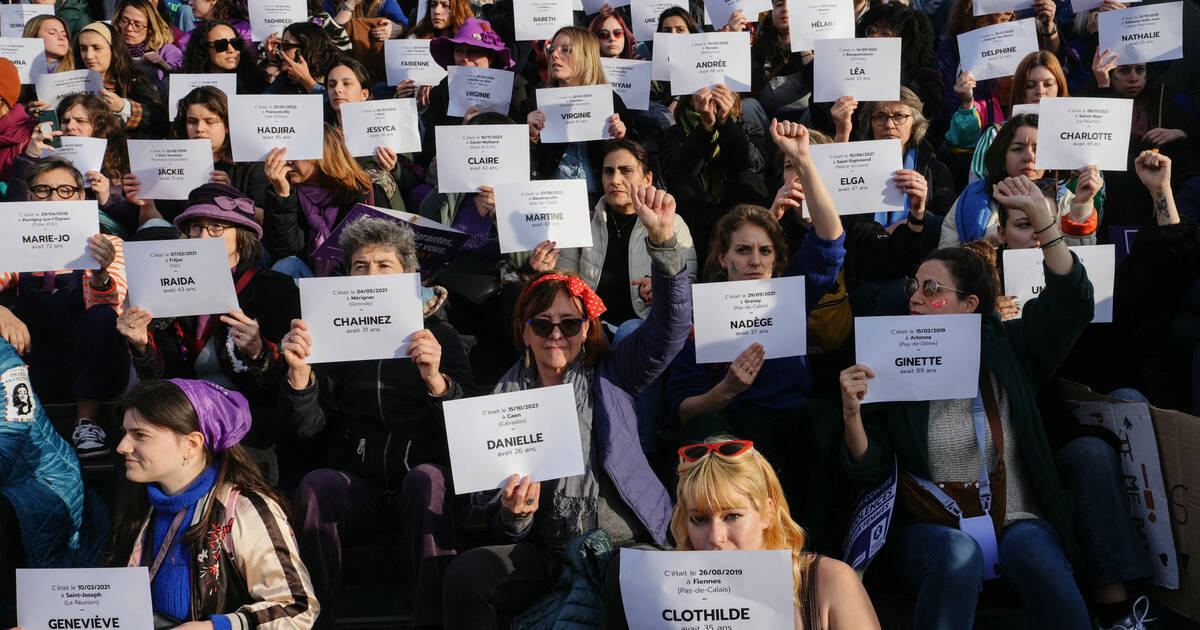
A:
1135, 620
89, 440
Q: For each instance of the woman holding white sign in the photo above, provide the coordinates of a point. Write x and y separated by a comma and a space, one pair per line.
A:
1019, 524
557, 321
127, 91
215, 47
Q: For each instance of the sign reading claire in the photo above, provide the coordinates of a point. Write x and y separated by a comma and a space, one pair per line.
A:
531, 432
919, 357
685, 590
360, 318
177, 278
481, 155
47, 235
84, 598
729, 316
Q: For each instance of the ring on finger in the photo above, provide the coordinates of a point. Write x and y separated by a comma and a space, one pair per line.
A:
529, 500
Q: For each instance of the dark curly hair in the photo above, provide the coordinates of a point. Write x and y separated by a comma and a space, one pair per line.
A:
316, 47
973, 274
105, 124
196, 59
916, 33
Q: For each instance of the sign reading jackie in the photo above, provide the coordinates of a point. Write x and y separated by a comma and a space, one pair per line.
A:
532, 432
528, 213
575, 114
13, 17
859, 174
84, 598
867, 69
28, 55
996, 50
1024, 275
180, 277
1143, 34
436, 243
919, 357
540, 19
703, 60
471, 156
489, 90
730, 316
263, 122
182, 84
361, 318
645, 13
1078, 131
170, 169
685, 590
819, 19
391, 123
52, 88
630, 78
410, 59
270, 17
47, 235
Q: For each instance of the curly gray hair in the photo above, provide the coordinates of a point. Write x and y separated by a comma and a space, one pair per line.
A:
369, 231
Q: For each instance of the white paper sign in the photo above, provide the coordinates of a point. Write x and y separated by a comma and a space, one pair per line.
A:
738, 590
270, 17
87, 154
660, 68
532, 432
701, 60
730, 316
1083, 6
1143, 34
591, 7
410, 59
988, 7
28, 54
1077, 131
540, 19
47, 235
182, 84
13, 17
390, 123
645, 13
528, 213
361, 318
53, 88
262, 122
74, 598
470, 156
867, 69
180, 277
170, 169
996, 50
1024, 276
859, 175
630, 78
1024, 108
719, 11
810, 20
489, 90
575, 114
919, 357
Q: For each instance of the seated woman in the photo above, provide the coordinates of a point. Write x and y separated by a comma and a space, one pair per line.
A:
211, 530
148, 39
303, 55
57, 39
557, 322
1013, 154
382, 427
204, 113
1031, 533
729, 499
127, 91
217, 48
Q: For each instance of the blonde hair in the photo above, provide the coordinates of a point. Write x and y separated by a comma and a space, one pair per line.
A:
31, 31
158, 32
586, 50
715, 483
340, 173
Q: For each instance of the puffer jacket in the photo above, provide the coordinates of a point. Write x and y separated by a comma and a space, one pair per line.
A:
575, 603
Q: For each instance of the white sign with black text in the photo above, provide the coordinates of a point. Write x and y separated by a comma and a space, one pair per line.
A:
1143, 34
470, 156
645, 14
28, 54
730, 316
270, 17
996, 51
919, 357
988, 7
592, 7
575, 114
47, 235
859, 175
629, 78
52, 88
819, 19
718, 12
85, 598
489, 90
1077, 131
262, 122
866, 68
170, 169
660, 60
391, 123
528, 213
182, 84
87, 154
180, 277
361, 318
410, 59
540, 19
1025, 278
13, 17
703, 60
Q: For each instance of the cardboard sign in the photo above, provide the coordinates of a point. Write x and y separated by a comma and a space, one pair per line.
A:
361, 318
701, 60
819, 19
180, 277
919, 357
47, 235
730, 316
859, 175
867, 69
262, 122
170, 169
84, 598
996, 50
1077, 131
1143, 34
1025, 278
410, 59
528, 213
481, 155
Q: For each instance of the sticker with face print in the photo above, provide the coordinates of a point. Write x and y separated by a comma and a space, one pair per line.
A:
18, 395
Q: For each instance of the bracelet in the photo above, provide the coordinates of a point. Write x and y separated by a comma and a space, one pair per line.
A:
1052, 224
914, 220
1044, 246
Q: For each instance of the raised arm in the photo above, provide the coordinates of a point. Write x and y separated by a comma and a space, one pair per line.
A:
1154, 169
792, 139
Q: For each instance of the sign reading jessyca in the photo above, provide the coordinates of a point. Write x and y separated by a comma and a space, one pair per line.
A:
532, 432
84, 598
47, 235
730, 316
919, 357
360, 318
684, 590
177, 278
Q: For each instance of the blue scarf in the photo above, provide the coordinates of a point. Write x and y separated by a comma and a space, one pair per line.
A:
887, 218
974, 210
171, 590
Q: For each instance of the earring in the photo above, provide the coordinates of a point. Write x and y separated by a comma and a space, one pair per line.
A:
528, 356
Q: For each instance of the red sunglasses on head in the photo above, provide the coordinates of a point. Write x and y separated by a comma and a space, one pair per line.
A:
730, 448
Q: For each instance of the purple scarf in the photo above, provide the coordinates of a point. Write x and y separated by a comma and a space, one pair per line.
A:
321, 213
137, 50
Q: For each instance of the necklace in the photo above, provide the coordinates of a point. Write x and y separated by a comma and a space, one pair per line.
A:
623, 223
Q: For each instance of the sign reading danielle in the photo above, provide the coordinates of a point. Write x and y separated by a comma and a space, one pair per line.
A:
919, 357
47, 235
177, 278
470, 156
360, 318
84, 598
263, 122
1077, 131
867, 69
730, 316
858, 175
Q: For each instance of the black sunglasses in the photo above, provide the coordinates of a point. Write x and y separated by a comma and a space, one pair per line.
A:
220, 45
929, 288
544, 327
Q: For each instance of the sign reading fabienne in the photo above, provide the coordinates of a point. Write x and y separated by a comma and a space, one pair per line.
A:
859, 174
262, 122
177, 278
528, 213
84, 598
360, 318
47, 235
471, 156
410, 59
1078, 131
686, 590
919, 357
532, 432
1143, 34
729, 316
1025, 277
867, 69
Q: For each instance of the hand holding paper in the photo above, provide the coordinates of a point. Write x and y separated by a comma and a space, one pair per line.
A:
246, 336
296, 348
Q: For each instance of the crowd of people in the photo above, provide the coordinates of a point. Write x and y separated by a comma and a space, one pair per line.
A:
254, 469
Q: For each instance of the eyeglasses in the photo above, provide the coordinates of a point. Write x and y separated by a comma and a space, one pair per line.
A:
564, 50
213, 229
544, 327
220, 45
882, 118
44, 191
880, 31
616, 33
731, 448
130, 25
929, 288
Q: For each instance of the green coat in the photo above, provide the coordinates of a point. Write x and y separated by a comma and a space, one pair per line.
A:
1024, 355
75, 13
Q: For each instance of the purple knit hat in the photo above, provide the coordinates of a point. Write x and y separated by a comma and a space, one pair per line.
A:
224, 414
474, 32
220, 202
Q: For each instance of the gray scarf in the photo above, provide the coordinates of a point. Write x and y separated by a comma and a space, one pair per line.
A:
571, 508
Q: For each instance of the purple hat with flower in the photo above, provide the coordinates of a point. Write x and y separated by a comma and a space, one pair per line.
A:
474, 32
224, 414
220, 202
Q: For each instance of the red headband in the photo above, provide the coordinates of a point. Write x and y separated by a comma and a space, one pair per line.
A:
578, 288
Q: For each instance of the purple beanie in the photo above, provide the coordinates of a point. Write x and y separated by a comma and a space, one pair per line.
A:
220, 202
224, 414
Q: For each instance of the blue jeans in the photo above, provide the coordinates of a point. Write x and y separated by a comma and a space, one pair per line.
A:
292, 266
649, 403
943, 568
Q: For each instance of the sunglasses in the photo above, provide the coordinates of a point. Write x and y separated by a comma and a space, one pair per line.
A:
220, 45
545, 327
929, 288
616, 33
731, 448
